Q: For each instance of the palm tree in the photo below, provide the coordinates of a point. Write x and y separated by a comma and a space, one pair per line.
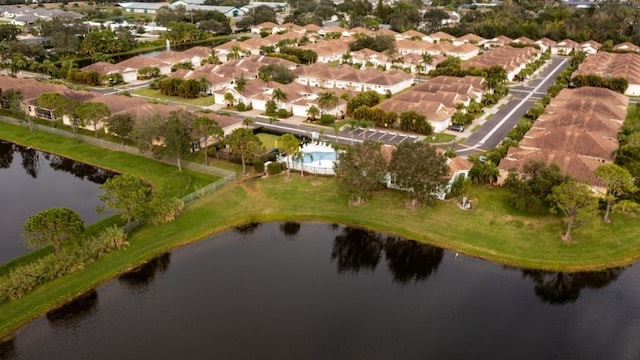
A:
229, 99
234, 52
353, 125
327, 100
49, 67
204, 84
427, 59
313, 111
279, 95
365, 125
247, 121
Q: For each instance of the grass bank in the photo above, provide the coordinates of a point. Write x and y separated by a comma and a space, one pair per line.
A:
493, 231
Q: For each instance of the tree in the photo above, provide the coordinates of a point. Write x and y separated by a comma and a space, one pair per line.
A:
129, 195
576, 201
619, 182
176, 139
121, 125
92, 113
531, 194
148, 130
313, 112
361, 170
53, 227
229, 99
276, 72
241, 82
327, 100
13, 99
419, 170
205, 128
289, 144
279, 95
245, 143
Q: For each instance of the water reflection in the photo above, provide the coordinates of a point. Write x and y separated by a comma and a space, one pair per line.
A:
357, 249
8, 349
6, 154
410, 260
30, 160
31, 163
140, 277
248, 228
559, 288
80, 170
71, 313
290, 229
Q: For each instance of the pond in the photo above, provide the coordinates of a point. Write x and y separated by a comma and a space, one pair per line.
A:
32, 181
326, 291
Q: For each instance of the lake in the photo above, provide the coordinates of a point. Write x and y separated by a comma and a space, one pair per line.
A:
326, 291
32, 181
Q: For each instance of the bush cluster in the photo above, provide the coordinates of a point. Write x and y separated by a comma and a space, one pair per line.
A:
22, 279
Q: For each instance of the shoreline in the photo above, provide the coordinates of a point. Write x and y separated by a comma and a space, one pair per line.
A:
315, 199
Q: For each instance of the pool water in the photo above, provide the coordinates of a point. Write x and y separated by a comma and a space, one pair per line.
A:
312, 157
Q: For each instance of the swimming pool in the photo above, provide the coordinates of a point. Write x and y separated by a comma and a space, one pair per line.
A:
312, 157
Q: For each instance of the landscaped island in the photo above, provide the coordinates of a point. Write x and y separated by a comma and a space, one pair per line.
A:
494, 231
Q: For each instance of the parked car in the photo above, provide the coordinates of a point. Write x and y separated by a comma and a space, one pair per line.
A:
458, 128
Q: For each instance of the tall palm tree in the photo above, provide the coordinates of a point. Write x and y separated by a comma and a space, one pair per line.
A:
234, 52
279, 95
327, 100
427, 59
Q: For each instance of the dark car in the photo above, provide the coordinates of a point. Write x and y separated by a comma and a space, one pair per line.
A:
458, 128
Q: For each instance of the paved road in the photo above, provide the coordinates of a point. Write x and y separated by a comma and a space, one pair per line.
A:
524, 96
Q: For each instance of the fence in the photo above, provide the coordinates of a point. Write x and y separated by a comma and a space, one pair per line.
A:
226, 175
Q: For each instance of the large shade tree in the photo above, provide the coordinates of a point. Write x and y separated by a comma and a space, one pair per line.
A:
53, 227
418, 169
245, 143
177, 141
92, 113
361, 170
129, 195
619, 182
206, 130
121, 125
576, 201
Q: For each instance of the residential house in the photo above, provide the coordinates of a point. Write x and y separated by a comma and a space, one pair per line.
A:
511, 59
578, 132
138, 62
442, 36
412, 35
329, 50
590, 47
545, 44
496, 42
626, 46
105, 68
614, 65
524, 41
267, 27
564, 47
472, 39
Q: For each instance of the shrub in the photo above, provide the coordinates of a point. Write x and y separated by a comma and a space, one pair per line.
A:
274, 168
258, 165
249, 107
327, 119
283, 113
166, 210
241, 107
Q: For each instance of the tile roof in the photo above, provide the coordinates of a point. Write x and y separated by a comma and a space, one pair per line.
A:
573, 164
606, 64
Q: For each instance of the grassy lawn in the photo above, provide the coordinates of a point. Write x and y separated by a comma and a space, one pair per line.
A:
201, 101
494, 231
475, 128
268, 140
439, 138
